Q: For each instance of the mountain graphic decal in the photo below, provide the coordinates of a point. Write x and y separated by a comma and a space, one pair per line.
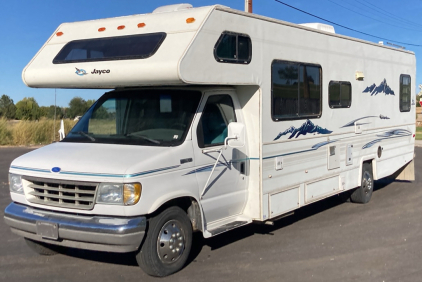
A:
383, 87
305, 128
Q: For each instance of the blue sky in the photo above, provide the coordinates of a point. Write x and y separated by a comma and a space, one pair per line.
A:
27, 24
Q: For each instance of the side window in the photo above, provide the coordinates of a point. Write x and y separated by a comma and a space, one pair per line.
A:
405, 93
339, 94
233, 48
216, 116
296, 90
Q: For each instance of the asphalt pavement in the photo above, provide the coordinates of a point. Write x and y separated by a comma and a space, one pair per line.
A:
330, 240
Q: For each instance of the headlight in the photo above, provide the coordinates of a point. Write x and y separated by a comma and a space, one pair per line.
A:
109, 193
117, 193
15, 183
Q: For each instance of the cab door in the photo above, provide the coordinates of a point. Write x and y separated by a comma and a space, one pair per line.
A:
225, 194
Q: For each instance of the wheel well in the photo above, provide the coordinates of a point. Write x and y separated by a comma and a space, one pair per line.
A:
190, 206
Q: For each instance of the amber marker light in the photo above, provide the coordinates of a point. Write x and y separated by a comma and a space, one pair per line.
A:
59, 33
120, 27
190, 20
101, 29
141, 25
131, 193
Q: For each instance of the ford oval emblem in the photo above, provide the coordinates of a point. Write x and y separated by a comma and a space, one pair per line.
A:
56, 169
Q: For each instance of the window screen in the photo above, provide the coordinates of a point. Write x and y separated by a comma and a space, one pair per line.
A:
216, 116
138, 46
405, 93
340, 94
296, 90
233, 48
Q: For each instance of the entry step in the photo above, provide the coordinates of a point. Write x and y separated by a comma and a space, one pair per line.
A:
227, 227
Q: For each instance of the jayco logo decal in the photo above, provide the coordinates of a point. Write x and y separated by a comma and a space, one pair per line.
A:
80, 72
100, 71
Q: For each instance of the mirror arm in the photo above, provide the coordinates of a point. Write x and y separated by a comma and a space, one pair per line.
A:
226, 141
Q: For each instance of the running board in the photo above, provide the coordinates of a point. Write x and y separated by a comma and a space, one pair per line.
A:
227, 227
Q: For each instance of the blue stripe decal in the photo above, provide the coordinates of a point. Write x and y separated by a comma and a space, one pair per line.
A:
99, 174
395, 133
313, 148
209, 167
352, 123
30, 169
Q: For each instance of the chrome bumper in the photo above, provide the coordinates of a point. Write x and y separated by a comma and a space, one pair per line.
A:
99, 233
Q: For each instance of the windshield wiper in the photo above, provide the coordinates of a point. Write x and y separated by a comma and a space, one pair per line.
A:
144, 138
86, 135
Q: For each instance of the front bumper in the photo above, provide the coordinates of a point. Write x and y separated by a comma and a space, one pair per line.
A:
98, 233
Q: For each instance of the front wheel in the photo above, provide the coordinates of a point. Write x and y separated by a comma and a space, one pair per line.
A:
167, 243
363, 194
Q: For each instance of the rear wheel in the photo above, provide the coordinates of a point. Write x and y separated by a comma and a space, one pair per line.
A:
167, 243
363, 194
42, 248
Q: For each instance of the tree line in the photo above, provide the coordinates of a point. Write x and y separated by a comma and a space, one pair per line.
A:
28, 109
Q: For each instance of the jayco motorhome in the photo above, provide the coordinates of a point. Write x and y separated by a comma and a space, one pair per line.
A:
218, 118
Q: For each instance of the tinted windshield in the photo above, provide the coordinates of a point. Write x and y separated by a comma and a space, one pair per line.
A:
138, 117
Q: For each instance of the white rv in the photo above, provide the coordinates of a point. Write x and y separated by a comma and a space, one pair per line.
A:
218, 118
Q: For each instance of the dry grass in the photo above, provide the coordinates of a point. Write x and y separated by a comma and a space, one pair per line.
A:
102, 126
5, 133
31, 132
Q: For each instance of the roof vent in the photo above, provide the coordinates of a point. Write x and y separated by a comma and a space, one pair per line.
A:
172, 8
320, 26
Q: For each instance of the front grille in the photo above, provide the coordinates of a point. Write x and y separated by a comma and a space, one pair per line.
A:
66, 194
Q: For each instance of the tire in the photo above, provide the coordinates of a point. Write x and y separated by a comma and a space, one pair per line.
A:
159, 254
42, 248
363, 194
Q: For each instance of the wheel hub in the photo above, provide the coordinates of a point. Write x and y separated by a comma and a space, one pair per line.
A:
171, 242
366, 182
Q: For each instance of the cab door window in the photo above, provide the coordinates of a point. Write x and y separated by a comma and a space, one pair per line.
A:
216, 116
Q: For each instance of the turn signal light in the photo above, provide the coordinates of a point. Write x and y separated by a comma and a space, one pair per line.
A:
190, 20
101, 29
59, 33
141, 25
120, 27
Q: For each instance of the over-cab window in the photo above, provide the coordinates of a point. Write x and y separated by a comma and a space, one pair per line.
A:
340, 94
296, 90
405, 93
138, 46
233, 48
216, 116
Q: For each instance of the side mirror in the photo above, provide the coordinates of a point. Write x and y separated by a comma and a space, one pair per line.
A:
236, 135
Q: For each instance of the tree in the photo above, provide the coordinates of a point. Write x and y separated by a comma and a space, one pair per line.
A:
58, 112
7, 107
89, 103
43, 111
27, 109
77, 107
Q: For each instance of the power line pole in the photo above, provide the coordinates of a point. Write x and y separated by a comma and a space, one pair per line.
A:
55, 107
248, 6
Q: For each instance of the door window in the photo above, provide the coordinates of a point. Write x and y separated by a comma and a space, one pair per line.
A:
216, 116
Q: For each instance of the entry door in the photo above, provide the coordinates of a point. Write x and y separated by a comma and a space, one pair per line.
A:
225, 194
